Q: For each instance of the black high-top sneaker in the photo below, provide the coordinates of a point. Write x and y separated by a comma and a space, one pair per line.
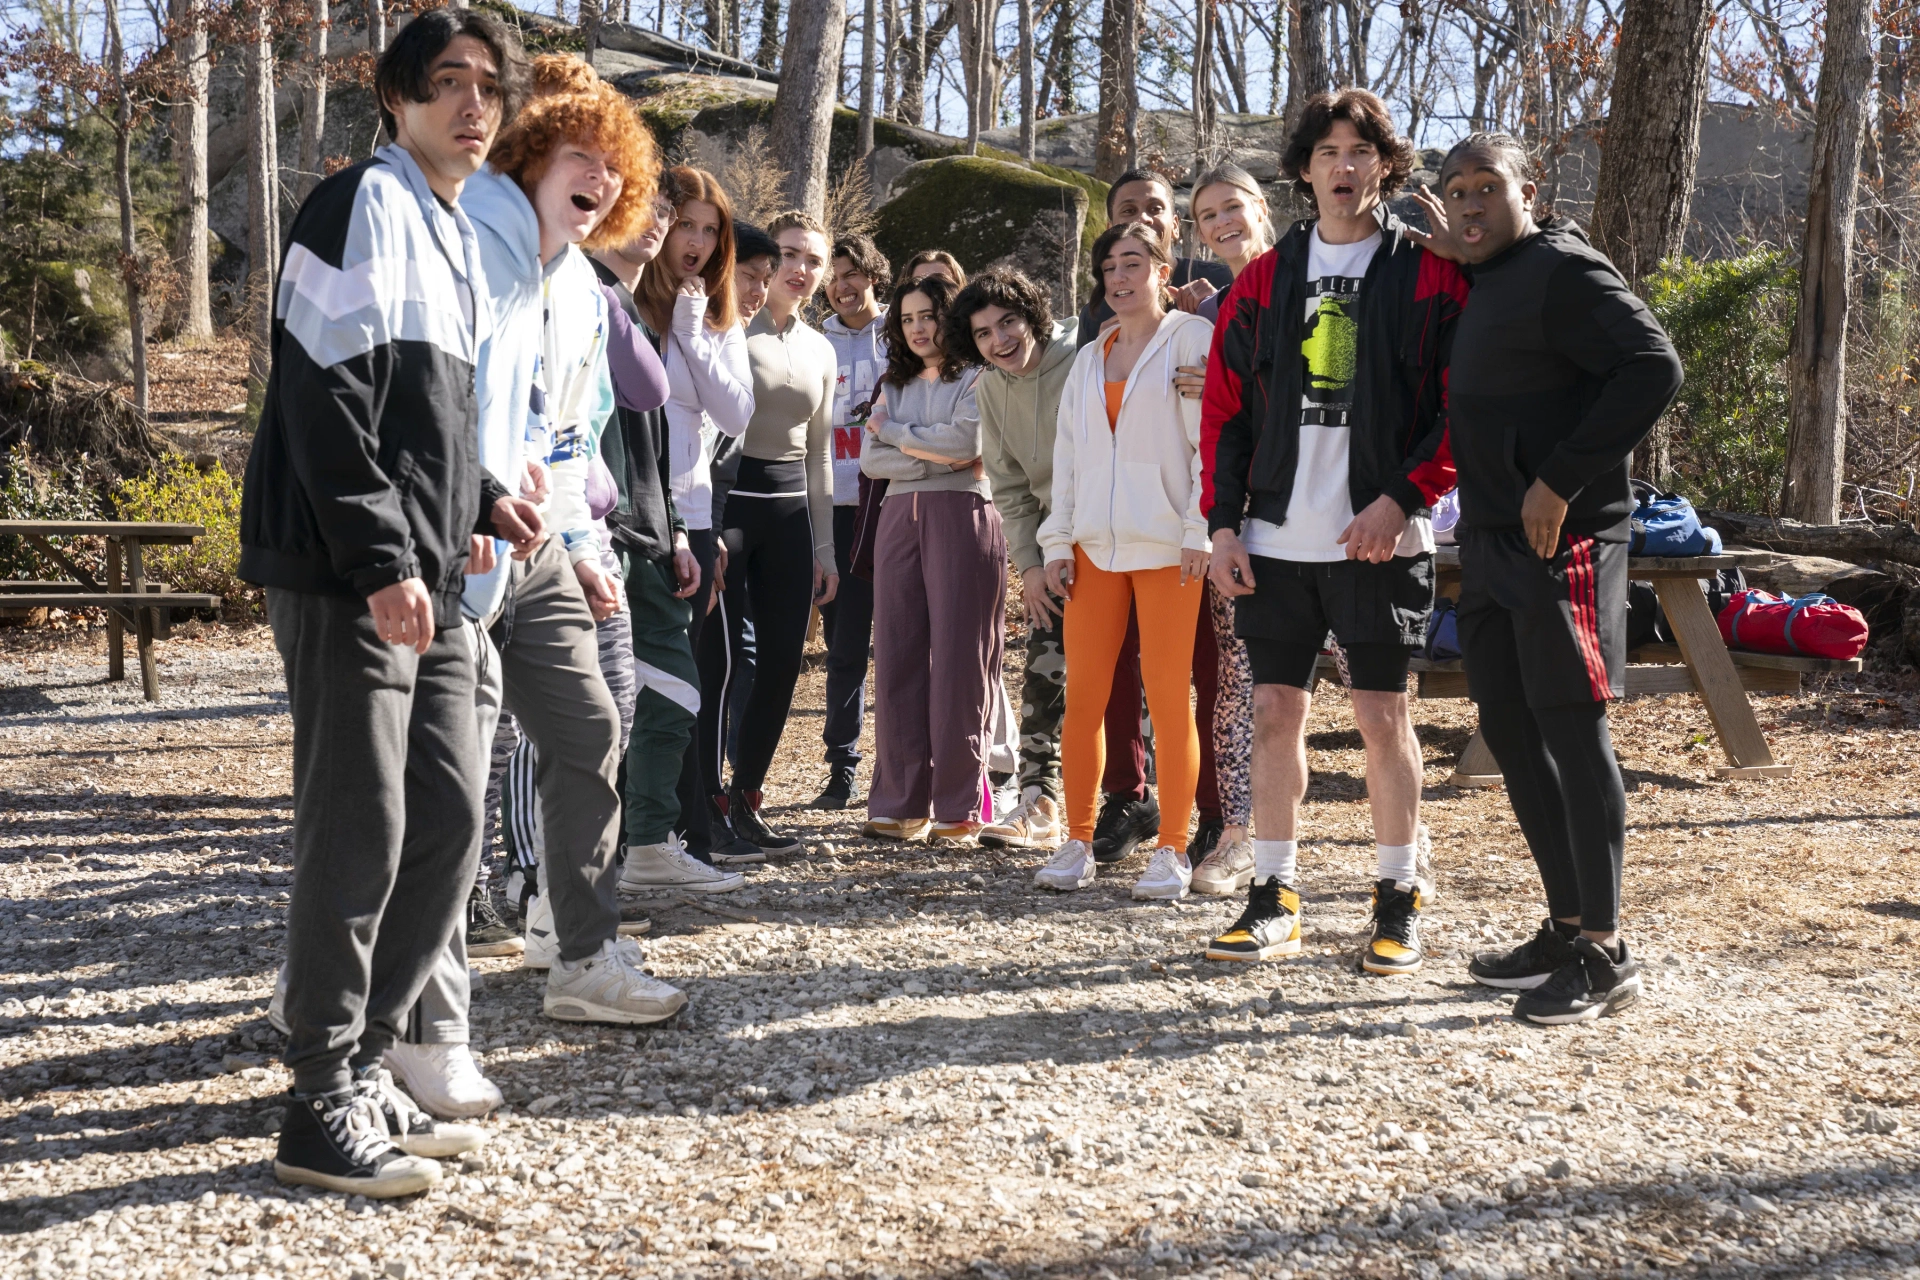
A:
1206, 838
1528, 965
413, 1130
338, 1142
1267, 929
1395, 945
743, 810
730, 847
1123, 823
838, 793
1588, 986
488, 934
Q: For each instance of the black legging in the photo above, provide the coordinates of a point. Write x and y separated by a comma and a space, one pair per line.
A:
770, 579
1564, 783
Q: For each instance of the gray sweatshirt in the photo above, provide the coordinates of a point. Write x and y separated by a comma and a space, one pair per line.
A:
931, 414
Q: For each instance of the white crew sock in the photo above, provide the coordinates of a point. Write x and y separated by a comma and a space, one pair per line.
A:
1396, 862
1274, 858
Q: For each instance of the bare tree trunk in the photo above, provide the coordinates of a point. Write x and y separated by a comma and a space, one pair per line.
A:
377, 26
977, 19
1025, 57
1652, 141
913, 68
1056, 77
591, 16
1206, 111
131, 268
1233, 60
1307, 72
863, 138
890, 61
1817, 353
768, 54
1117, 141
194, 314
1898, 150
1358, 30
263, 193
803, 108
313, 120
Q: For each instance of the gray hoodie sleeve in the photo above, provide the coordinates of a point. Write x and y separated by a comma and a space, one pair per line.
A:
883, 461
958, 438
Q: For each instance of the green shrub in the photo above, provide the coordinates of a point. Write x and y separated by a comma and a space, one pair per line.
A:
29, 491
178, 492
1730, 320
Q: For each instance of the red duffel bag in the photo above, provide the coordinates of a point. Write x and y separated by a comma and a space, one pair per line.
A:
1813, 626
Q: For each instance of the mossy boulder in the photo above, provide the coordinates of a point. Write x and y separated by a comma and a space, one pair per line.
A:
989, 212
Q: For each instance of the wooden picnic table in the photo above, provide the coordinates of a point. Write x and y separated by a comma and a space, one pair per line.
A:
1698, 663
141, 604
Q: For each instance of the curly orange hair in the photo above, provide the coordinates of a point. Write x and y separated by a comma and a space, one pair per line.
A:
595, 115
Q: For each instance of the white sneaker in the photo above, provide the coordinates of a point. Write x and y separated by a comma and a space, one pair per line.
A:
669, 866
277, 1007
1033, 824
1225, 871
610, 986
543, 941
1072, 868
1166, 878
413, 1130
1423, 872
444, 1079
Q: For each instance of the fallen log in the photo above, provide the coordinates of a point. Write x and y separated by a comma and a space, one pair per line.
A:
1854, 542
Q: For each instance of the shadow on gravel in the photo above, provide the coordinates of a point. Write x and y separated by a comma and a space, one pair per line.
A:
161, 1127
175, 1061
268, 704
29, 1213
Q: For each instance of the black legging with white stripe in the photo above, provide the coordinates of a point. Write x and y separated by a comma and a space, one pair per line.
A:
769, 540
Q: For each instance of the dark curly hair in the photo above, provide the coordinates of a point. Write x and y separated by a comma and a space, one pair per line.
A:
1001, 287
405, 70
1369, 118
902, 365
863, 253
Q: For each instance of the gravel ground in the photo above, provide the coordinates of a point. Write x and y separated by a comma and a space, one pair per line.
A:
909, 1064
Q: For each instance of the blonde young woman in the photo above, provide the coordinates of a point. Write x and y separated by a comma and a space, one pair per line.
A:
1126, 527
1232, 220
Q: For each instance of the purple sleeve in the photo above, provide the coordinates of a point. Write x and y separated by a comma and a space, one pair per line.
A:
639, 379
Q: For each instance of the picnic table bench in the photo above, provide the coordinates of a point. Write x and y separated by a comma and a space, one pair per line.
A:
135, 602
1699, 663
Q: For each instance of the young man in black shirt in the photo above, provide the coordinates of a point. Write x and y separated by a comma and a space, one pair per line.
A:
1558, 373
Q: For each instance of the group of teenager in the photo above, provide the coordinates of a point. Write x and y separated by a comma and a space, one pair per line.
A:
553, 469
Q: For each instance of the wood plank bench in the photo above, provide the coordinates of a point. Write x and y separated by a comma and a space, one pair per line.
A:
138, 603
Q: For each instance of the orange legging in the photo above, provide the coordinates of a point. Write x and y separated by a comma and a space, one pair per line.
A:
1095, 628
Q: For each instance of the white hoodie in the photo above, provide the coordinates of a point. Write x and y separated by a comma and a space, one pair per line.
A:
1130, 496
709, 394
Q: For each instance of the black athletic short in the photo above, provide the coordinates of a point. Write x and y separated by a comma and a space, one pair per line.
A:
1379, 668
1546, 632
1361, 603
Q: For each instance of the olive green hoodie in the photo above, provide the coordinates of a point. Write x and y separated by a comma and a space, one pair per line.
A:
1018, 417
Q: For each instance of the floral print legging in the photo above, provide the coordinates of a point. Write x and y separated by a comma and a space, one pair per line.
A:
1232, 717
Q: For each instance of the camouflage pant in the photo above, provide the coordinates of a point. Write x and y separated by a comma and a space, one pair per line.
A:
1043, 707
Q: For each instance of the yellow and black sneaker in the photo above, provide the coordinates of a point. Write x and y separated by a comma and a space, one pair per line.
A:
1268, 929
1395, 947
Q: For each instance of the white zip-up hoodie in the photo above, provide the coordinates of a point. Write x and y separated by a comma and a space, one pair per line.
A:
1130, 496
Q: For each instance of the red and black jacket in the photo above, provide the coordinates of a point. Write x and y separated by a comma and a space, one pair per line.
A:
1250, 419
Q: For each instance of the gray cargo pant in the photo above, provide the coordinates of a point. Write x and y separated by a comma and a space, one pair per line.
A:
387, 775
550, 679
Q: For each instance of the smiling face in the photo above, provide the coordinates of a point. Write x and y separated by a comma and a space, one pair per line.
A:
803, 261
691, 240
1005, 339
1345, 172
920, 323
751, 279
1149, 201
1133, 279
1488, 208
574, 194
1230, 222
850, 291
450, 134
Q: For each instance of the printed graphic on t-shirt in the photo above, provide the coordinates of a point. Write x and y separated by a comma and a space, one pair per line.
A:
853, 398
1330, 344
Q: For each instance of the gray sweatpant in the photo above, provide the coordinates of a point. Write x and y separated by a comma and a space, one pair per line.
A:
387, 776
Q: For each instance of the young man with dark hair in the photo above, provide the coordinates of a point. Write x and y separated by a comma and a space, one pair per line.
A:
857, 275
1559, 372
364, 498
1324, 441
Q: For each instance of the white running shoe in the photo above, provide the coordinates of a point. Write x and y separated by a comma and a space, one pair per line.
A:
610, 986
1166, 878
652, 867
444, 1079
1072, 868
1032, 824
277, 1007
1225, 871
543, 941
413, 1130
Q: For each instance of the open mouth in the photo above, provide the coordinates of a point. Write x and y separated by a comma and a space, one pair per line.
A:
585, 203
1343, 188
1007, 352
1473, 233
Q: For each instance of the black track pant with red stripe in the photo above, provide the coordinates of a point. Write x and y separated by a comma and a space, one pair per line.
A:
1545, 648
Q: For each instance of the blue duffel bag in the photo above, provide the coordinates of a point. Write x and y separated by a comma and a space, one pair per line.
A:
1664, 524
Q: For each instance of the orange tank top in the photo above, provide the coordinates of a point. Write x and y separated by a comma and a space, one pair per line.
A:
1114, 389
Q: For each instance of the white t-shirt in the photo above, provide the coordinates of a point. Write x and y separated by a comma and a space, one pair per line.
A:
1320, 508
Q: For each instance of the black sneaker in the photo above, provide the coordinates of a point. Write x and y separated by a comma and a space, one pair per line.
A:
1124, 822
838, 793
1206, 838
1586, 987
743, 811
413, 1130
1528, 965
1395, 945
1268, 928
488, 934
338, 1142
729, 848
